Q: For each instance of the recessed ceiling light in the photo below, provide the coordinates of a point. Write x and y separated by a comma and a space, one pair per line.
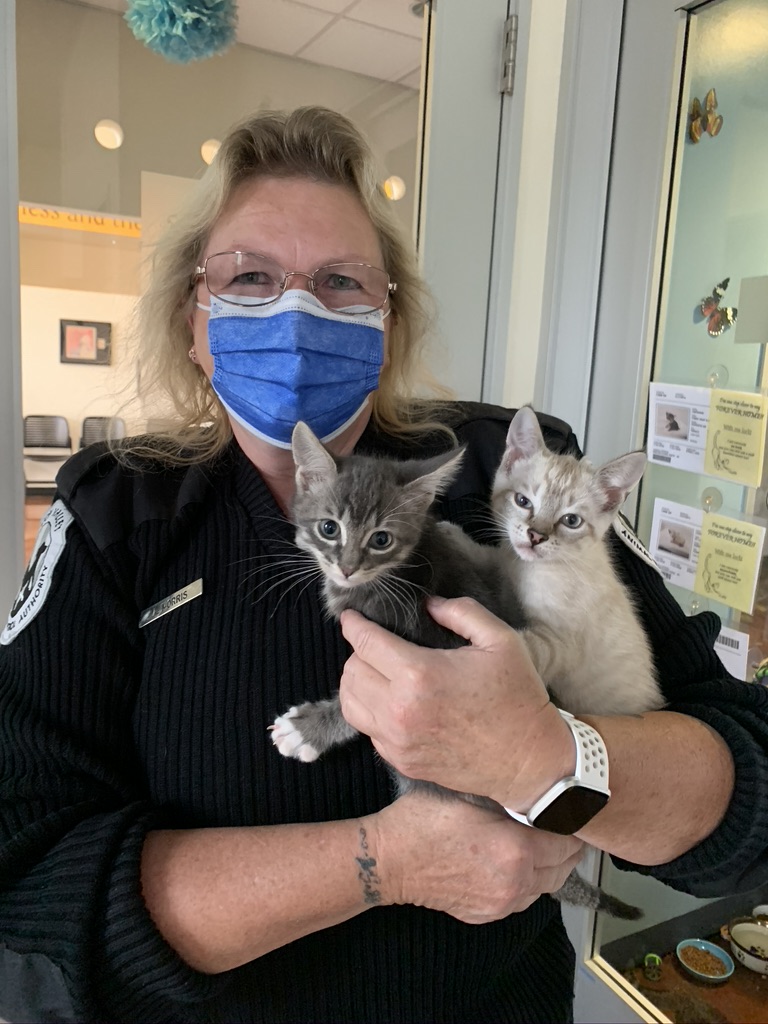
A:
394, 188
209, 149
108, 134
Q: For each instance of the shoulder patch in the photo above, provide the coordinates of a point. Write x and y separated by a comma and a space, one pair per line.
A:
51, 538
627, 536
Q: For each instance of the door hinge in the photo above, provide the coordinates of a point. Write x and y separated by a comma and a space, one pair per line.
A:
509, 56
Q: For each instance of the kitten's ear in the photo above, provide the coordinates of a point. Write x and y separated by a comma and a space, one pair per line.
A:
524, 437
435, 476
617, 478
314, 463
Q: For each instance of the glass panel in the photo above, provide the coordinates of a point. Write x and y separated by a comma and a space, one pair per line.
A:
89, 213
715, 240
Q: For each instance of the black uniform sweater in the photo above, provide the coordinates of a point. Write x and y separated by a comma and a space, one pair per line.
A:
108, 731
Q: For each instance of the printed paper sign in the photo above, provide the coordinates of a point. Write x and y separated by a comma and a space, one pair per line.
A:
702, 430
729, 561
675, 534
736, 437
678, 421
712, 555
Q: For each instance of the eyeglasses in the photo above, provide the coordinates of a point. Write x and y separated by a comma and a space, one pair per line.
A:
249, 279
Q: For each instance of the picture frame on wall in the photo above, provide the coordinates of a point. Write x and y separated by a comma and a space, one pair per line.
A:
85, 341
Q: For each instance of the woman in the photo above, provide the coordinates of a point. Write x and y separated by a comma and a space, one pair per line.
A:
160, 860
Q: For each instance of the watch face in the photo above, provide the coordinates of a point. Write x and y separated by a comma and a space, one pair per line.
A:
571, 810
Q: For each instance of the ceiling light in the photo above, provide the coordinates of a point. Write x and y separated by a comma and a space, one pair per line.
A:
394, 188
108, 134
209, 149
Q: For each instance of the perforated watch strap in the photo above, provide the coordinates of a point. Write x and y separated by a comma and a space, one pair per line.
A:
591, 755
591, 767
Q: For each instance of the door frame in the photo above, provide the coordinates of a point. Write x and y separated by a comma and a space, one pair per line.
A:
11, 469
643, 148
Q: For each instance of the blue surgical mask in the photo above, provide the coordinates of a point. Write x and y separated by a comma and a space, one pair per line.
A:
293, 360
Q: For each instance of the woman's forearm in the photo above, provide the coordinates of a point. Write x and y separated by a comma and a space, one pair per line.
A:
224, 896
671, 780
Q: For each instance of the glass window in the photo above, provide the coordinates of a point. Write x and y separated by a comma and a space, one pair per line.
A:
715, 270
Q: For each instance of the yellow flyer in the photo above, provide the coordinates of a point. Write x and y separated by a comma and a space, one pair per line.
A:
736, 436
728, 561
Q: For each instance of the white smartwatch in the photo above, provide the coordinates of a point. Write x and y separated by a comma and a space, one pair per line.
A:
569, 804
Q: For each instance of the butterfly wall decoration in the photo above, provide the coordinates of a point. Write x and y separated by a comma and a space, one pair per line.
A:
704, 119
719, 318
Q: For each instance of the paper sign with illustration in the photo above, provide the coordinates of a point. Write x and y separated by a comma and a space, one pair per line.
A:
729, 561
674, 541
677, 426
712, 555
736, 436
702, 430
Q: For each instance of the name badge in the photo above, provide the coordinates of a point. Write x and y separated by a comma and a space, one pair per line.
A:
173, 601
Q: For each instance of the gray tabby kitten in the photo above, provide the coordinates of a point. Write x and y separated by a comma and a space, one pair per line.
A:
581, 629
367, 523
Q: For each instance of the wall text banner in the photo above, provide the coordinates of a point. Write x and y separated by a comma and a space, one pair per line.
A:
79, 220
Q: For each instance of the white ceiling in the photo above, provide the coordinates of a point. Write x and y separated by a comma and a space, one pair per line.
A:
380, 38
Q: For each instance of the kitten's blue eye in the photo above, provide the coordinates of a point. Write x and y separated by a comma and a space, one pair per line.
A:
522, 501
329, 529
571, 520
380, 540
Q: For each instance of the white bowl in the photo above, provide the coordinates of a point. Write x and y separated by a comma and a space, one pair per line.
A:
749, 942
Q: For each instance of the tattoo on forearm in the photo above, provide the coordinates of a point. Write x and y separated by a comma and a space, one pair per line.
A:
367, 874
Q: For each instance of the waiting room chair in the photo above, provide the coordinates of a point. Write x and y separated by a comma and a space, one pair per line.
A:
101, 428
47, 446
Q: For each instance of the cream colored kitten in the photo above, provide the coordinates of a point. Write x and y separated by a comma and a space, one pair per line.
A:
582, 631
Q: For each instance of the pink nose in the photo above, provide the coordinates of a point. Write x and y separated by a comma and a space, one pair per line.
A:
536, 538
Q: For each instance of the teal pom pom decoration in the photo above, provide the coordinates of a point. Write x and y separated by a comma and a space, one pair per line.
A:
183, 30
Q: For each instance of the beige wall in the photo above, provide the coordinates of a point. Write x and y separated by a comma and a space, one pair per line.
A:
73, 390
78, 260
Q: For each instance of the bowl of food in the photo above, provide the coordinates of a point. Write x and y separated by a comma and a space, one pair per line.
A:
749, 942
704, 960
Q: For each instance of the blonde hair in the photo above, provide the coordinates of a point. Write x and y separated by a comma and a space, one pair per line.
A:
311, 142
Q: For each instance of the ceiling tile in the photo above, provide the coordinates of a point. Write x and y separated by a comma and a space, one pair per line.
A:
366, 50
112, 5
412, 81
333, 6
121, 6
279, 25
392, 14
378, 38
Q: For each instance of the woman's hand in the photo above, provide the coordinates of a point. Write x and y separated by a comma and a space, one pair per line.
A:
472, 863
476, 719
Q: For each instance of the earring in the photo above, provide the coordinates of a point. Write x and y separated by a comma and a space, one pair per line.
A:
192, 354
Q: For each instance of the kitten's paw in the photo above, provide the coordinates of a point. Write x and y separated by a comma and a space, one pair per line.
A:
288, 738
